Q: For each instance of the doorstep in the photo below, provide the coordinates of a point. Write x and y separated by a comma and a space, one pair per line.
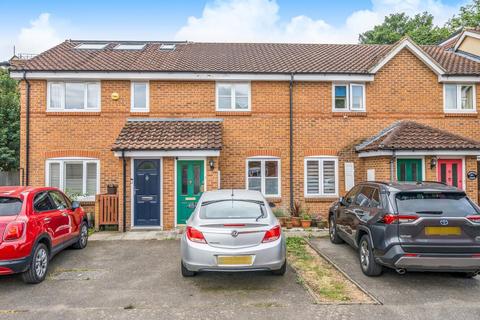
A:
177, 233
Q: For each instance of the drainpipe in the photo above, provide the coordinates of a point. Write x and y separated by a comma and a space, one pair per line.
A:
291, 141
392, 167
124, 187
27, 129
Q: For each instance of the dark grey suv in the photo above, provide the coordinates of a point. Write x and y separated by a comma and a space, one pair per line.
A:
424, 226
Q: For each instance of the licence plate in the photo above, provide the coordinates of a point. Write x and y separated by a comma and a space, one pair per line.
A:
234, 260
443, 231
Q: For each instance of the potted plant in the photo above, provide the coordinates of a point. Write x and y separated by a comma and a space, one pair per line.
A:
280, 214
306, 220
288, 223
295, 214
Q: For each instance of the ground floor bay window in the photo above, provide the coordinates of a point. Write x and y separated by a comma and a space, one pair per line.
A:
74, 176
321, 177
263, 174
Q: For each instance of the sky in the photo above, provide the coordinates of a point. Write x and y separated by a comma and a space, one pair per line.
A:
33, 26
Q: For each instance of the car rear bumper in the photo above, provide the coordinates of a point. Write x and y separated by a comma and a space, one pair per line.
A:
203, 257
14, 266
397, 258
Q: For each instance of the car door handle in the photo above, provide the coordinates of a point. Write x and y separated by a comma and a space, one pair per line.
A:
47, 219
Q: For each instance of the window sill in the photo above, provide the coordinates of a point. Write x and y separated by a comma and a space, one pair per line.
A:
461, 114
274, 199
233, 113
346, 114
76, 113
321, 199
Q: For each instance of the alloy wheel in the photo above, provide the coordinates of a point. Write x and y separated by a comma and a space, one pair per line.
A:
83, 235
364, 255
41, 262
332, 230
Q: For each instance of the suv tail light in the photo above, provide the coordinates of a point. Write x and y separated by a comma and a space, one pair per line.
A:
14, 231
398, 218
272, 234
195, 235
475, 218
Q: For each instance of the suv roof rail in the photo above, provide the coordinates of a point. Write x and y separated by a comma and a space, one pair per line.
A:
380, 182
427, 181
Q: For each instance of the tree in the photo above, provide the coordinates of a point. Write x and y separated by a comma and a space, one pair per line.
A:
469, 16
9, 123
420, 29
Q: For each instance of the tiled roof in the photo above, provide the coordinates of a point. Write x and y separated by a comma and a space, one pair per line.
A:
232, 58
409, 135
170, 134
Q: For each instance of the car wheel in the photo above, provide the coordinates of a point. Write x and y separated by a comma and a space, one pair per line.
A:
186, 272
281, 271
332, 230
37, 270
82, 238
367, 260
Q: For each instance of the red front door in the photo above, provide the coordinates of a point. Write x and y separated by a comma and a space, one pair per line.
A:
449, 171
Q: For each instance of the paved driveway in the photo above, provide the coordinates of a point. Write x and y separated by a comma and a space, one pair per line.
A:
141, 280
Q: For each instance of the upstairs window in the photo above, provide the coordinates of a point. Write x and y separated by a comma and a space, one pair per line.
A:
91, 46
321, 176
140, 97
349, 97
233, 96
264, 175
459, 98
73, 96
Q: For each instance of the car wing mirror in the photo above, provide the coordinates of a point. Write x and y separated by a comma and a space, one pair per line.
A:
75, 205
342, 201
271, 204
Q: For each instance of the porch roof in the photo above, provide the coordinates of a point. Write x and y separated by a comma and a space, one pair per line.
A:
413, 136
170, 134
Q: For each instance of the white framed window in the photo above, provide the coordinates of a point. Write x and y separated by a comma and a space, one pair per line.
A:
80, 176
140, 96
321, 176
91, 46
263, 174
459, 98
73, 96
130, 46
348, 97
233, 96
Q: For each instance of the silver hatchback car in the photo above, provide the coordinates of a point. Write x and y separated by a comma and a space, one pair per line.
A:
233, 230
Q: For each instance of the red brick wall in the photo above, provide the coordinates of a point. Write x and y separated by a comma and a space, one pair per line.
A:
403, 89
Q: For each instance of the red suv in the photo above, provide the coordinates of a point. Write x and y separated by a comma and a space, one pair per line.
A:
36, 224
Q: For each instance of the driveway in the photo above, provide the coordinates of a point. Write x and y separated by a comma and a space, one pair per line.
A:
141, 280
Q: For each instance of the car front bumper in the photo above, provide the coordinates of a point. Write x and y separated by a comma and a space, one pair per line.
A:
14, 266
203, 257
397, 258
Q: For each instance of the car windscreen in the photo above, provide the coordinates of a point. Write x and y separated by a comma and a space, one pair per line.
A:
435, 203
10, 206
232, 209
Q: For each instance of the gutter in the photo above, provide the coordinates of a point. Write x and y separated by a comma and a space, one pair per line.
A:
291, 142
124, 187
27, 130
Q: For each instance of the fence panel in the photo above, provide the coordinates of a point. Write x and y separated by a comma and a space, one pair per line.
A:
10, 178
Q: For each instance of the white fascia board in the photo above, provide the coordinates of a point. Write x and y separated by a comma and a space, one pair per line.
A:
458, 79
159, 154
417, 51
419, 153
18, 75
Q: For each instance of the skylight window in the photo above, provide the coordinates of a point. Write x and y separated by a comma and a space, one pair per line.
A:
167, 46
91, 46
129, 46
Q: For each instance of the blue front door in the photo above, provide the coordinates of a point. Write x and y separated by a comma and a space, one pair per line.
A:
147, 192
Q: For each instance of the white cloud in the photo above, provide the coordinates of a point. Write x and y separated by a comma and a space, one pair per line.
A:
259, 20
37, 37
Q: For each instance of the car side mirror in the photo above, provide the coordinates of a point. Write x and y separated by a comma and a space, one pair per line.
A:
342, 201
271, 204
75, 205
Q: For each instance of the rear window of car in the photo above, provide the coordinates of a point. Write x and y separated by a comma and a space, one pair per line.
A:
10, 206
232, 209
440, 203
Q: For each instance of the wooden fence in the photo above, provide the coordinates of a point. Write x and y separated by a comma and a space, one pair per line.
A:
10, 178
106, 210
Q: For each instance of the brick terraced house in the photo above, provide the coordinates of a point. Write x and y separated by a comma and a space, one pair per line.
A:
300, 122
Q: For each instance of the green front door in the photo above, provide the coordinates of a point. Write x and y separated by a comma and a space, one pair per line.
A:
190, 178
409, 170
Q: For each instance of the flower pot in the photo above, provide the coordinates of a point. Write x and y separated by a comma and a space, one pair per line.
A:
288, 224
306, 223
295, 222
282, 220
